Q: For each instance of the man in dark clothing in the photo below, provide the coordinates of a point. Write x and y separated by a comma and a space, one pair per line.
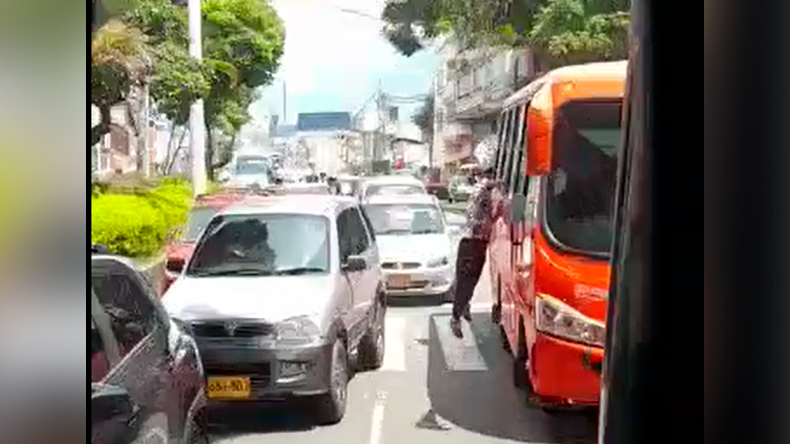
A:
480, 216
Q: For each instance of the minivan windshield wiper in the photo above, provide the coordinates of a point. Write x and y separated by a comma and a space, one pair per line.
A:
299, 270
231, 272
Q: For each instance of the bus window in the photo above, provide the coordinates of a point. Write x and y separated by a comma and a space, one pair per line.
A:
581, 189
508, 165
503, 145
518, 152
500, 150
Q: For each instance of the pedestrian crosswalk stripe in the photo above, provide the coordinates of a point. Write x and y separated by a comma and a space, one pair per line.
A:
394, 344
460, 354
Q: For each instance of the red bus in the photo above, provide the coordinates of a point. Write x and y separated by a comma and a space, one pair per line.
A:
550, 251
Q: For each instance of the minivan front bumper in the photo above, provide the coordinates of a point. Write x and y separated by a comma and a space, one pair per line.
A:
275, 373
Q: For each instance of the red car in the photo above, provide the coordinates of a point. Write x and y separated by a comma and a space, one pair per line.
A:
203, 210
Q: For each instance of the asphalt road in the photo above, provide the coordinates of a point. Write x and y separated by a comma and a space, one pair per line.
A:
433, 388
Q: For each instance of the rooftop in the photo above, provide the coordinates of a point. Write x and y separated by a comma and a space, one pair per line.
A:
307, 204
403, 199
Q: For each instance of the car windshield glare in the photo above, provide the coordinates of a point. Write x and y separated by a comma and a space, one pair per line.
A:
405, 219
393, 190
262, 245
252, 166
197, 221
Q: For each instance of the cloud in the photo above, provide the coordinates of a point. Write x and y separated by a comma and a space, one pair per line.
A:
337, 57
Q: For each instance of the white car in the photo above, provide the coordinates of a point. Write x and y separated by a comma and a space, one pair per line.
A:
417, 246
392, 185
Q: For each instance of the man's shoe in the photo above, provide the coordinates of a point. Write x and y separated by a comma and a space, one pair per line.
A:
468, 313
455, 326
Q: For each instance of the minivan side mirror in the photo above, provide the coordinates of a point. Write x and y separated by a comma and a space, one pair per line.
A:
174, 265
354, 263
113, 413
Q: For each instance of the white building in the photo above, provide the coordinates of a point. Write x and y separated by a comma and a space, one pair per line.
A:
470, 88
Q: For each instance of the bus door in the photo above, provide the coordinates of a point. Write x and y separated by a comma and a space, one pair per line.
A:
516, 225
499, 229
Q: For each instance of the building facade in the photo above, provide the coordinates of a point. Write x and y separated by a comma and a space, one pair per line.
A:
470, 87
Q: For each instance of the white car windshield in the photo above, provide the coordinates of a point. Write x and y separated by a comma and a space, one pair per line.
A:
262, 245
405, 218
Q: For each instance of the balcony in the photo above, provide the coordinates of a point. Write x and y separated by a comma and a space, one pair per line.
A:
487, 81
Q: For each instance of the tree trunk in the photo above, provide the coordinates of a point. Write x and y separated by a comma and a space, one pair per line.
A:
98, 131
169, 152
209, 154
176, 152
226, 155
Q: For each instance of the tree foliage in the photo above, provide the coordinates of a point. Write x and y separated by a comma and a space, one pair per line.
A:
562, 31
119, 60
242, 43
424, 117
242, 46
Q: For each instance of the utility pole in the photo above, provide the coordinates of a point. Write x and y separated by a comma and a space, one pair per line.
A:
379, 144
285, 104
197, 126
141, 127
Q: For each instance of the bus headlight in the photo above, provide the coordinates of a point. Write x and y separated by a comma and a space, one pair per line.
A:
558, 319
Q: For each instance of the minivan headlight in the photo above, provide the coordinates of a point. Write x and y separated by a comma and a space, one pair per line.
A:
296, 331
438, 262
559, 319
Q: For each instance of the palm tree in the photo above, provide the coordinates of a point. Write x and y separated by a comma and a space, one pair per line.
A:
119, 61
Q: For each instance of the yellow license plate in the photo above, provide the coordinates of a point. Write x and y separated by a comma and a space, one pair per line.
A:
399, 281
229, 387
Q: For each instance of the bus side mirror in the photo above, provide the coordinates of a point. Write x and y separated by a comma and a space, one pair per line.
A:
518, 208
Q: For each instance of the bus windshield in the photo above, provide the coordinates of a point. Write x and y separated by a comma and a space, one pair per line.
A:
581, 187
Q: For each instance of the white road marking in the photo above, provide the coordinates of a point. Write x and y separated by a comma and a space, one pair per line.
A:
459, 354
395, 345
377, 419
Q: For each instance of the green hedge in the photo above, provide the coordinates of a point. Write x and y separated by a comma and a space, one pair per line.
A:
136, 222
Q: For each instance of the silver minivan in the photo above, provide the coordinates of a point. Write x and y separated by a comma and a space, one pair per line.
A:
283, 297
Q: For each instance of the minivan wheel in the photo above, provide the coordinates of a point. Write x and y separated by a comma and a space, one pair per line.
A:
371, 348
332, 406
198, 432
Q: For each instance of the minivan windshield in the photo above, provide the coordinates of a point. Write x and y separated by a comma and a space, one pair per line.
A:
400, 219
581, 188
262, 245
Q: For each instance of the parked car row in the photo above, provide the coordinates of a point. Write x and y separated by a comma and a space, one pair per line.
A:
269, 295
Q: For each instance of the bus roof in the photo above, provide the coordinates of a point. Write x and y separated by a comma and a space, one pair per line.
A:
597, 71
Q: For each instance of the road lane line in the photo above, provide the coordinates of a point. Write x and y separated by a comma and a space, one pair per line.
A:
394, 345
459, 354
377, 418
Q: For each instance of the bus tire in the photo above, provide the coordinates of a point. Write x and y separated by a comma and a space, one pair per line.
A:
520, 360
496, 309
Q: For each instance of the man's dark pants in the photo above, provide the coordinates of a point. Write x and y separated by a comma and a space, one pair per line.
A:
468, 266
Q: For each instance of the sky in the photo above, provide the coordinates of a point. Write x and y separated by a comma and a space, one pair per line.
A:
335, 60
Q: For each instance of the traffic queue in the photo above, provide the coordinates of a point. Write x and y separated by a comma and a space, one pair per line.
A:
281, 289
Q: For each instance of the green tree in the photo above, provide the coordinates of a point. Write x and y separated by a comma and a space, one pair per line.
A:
560, 31
424, 117
242, 43
119, 61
